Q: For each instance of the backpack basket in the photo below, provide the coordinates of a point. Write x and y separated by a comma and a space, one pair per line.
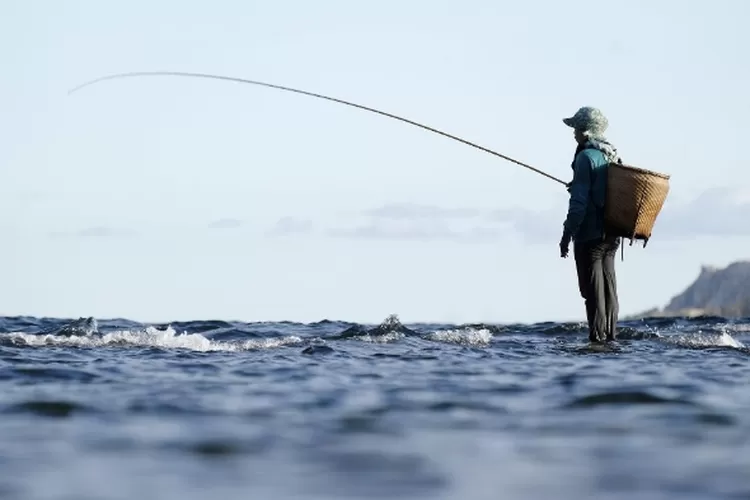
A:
634, 199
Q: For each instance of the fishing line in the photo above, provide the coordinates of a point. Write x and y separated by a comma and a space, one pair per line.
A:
289, 89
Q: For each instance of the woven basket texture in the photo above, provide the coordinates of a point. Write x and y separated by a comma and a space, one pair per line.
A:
635, 197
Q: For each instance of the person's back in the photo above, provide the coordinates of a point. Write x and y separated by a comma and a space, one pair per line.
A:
588, 192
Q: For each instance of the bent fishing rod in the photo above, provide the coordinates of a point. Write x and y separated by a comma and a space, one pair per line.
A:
289, 89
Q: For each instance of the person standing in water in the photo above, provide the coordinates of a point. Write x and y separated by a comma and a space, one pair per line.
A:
594, 251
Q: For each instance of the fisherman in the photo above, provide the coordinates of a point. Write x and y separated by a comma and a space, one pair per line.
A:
594, 251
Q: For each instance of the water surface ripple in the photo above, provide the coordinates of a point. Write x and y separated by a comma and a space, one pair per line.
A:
112, 409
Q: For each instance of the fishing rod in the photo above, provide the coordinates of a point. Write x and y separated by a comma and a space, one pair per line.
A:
289, 89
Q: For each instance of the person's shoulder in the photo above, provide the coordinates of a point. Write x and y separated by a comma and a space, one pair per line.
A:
592, 157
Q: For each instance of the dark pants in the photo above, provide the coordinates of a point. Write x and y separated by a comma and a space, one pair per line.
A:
595, 264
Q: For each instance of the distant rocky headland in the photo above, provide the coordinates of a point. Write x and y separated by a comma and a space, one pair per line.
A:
716, 292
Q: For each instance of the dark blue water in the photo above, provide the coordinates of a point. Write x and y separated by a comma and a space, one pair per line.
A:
119, 410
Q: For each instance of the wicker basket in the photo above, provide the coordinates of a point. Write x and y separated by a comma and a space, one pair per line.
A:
634, 199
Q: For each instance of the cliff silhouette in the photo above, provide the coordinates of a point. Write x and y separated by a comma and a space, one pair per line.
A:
715, 292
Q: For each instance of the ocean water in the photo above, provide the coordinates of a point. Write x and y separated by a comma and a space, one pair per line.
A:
113, 409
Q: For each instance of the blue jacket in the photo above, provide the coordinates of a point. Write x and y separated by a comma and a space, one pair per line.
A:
588, 190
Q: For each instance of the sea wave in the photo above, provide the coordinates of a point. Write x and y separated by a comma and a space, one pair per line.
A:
167, 338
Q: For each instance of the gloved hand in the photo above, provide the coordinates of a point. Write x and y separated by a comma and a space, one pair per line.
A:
564, 245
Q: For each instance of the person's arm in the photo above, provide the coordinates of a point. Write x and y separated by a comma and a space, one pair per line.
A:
579, 189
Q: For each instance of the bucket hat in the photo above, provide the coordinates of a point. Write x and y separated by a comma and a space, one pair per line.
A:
588, 119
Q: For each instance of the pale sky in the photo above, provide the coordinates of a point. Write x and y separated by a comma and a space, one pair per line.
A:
165, 198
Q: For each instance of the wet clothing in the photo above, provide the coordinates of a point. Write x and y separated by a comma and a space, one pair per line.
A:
595, 266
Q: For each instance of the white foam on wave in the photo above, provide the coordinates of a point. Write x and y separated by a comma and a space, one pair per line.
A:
467, 336
704, 340
739, 328
386, 338
151, 337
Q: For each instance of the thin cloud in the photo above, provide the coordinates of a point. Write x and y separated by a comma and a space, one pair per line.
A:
386, 231
420, 230
97, 232
402, 211
94, 232
715, 212
408, 221
225, 224
291, 225
535, 227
